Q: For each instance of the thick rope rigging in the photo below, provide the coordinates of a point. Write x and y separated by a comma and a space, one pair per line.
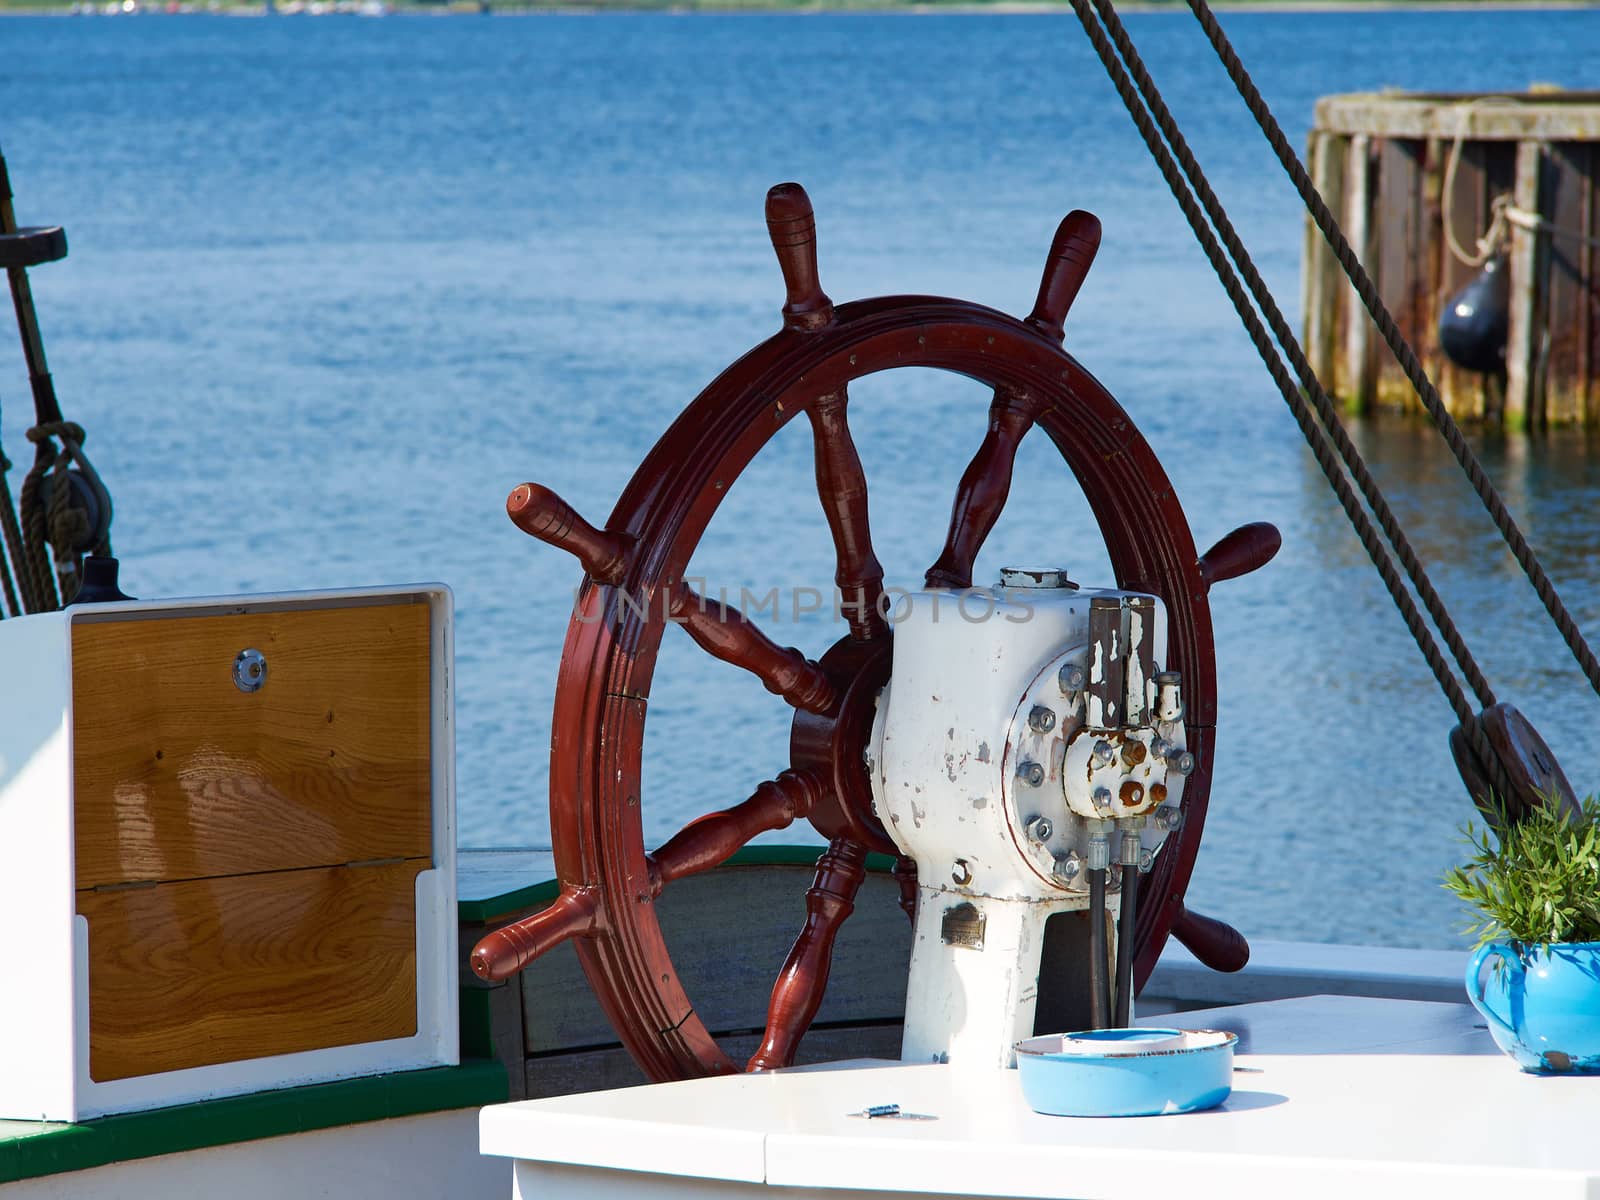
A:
1325, 445
13, 540
1407, 358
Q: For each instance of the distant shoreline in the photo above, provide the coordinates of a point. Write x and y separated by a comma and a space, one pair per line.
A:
29, 8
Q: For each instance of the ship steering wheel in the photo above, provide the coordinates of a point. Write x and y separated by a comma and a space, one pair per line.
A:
609, 882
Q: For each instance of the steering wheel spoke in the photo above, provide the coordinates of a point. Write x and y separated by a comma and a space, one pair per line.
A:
984, 486
798, 992
728, 634
576, 912
1248, 548
905, 874
711, 840
540, 513
842, 487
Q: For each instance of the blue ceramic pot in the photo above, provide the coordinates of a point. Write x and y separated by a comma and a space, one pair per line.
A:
1542, 1003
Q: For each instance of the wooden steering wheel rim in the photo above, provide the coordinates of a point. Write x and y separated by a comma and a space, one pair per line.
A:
607, 665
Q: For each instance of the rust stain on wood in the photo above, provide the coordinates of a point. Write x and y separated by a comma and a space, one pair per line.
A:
178, 774
218, 970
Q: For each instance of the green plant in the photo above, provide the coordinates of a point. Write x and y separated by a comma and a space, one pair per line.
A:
1538, 881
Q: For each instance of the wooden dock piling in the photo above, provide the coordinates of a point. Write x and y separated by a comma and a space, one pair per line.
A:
1525, 174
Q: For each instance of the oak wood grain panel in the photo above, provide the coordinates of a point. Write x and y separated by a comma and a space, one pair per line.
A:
180, 775
217, 970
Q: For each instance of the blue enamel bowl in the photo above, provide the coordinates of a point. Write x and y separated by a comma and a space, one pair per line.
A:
1126, 1072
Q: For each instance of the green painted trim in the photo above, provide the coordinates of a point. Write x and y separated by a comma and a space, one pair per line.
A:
487, 908
56, 1148
537, 895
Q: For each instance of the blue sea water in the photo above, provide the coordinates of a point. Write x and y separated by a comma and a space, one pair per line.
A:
337, 285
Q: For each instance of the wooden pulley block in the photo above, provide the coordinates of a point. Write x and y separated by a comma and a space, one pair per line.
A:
1532, 776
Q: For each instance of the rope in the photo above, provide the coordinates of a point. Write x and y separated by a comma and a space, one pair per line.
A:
63, 526
1316, 438
1503, 213
13, 540
1490, 242
1324, 445
35, 564
1407, 358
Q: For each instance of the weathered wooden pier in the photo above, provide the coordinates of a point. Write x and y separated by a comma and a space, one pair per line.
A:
1426, 184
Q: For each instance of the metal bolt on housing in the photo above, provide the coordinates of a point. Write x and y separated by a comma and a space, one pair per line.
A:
1041, 719
1031, 773
1039, 829
1071, 679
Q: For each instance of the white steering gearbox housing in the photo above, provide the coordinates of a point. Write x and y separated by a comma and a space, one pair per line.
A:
999, 749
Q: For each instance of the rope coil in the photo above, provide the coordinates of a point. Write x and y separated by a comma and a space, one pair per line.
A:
60, 523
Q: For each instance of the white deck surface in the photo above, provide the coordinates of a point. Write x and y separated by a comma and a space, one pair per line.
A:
1337, 1096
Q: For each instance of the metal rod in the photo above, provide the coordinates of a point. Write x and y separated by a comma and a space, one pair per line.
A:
1099, 1008
44, 393
1125, 919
